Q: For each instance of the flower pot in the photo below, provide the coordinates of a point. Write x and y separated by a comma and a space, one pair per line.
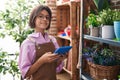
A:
108, 32
117, 29
94, 31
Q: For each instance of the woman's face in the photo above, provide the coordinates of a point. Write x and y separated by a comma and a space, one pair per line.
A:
42, 20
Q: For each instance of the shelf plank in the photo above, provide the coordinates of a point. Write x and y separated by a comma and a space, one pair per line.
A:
86, 76
99, 39
65, 3
69, 72
64, 37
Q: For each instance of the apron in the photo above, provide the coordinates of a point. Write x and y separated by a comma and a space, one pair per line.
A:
46, 71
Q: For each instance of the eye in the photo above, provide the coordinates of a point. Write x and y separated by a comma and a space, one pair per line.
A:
47, 17
41, 17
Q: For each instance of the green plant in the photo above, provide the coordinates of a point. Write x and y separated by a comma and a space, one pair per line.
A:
106, 17
8, 65
92, 20
20, 37
102, 4
100, 55
3, 60
116, 15
13, 68
14, 22
105, 57
14, 19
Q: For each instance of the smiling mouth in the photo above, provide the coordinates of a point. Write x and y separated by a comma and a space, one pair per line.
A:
44, 23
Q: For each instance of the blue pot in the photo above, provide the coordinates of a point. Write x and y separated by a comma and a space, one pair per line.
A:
117, 29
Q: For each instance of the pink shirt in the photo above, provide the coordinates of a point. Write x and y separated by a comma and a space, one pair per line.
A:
27, 50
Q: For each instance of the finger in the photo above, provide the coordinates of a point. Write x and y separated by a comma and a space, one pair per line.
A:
55, 55
49, 52
52, 59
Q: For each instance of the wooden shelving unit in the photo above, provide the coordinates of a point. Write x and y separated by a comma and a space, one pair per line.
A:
67, 71
68, 14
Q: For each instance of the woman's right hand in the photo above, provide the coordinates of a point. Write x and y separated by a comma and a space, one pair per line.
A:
49, 57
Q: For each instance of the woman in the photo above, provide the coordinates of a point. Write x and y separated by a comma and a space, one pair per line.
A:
36, 59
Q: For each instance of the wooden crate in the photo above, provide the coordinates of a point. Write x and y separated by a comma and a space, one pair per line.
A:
63, 18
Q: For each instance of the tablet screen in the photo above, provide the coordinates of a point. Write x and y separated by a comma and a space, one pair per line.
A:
63, 50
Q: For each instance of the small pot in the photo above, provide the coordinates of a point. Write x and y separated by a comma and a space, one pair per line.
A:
94, 31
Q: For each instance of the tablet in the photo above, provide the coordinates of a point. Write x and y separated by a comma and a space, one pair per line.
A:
63, 50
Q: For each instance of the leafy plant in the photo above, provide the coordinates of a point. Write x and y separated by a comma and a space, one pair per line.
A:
92, 20
105, 57
87, 52
101, 55
102, 4
20, 37
14, 22
14, 19
8, 65
116, 15
13, 68
106, 17
3, 60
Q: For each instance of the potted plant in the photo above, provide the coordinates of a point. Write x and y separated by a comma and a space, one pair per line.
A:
106, 19
116, 19
104, 64
93, 24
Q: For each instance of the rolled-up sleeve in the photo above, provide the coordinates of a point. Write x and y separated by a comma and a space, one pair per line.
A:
26, 57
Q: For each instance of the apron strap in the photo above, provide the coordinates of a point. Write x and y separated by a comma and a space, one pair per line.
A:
31, 39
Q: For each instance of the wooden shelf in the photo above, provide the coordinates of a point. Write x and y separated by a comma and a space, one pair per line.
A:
67, 71
65, 4
67, 14
64, 37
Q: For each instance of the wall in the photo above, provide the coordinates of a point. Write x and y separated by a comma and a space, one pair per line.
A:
115, 4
